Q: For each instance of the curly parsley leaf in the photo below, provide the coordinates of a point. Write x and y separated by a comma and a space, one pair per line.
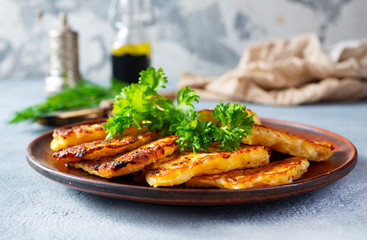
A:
194, 135
235, 124
140, 104
153, 79
185, 98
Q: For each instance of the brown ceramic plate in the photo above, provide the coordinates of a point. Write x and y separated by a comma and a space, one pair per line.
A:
318, 175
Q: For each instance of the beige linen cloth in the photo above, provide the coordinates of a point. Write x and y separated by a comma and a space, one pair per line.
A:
293, 72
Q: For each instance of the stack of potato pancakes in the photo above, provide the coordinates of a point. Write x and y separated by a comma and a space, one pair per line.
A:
157, 158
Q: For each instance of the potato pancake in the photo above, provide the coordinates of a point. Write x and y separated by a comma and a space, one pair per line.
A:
280, 141
103, 148
289, 144
130, 162
68, 137
276, 173
181, 167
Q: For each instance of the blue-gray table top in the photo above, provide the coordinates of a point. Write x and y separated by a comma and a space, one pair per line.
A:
34, 207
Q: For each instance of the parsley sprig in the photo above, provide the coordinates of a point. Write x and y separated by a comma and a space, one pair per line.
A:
140, 105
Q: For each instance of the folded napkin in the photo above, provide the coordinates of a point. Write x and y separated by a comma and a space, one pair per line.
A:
281, 72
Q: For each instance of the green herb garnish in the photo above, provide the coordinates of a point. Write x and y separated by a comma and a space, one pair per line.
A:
85, 94
140, 105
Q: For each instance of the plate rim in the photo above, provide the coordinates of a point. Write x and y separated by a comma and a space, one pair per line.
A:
301, 186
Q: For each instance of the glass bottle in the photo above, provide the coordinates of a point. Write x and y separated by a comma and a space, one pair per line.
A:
131, 49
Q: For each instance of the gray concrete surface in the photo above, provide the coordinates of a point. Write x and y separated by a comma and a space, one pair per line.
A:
34, 207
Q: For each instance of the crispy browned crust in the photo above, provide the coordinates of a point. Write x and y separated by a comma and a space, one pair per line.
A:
276, 173
130, 162
103, 148
180, 167
289, 144
68, 137
87, 129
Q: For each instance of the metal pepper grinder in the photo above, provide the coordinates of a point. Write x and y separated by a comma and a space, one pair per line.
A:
63, 60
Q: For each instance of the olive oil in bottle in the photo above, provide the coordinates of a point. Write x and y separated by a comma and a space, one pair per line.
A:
129, 60
131, 50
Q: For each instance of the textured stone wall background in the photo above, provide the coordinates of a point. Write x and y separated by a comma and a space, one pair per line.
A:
205, 37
